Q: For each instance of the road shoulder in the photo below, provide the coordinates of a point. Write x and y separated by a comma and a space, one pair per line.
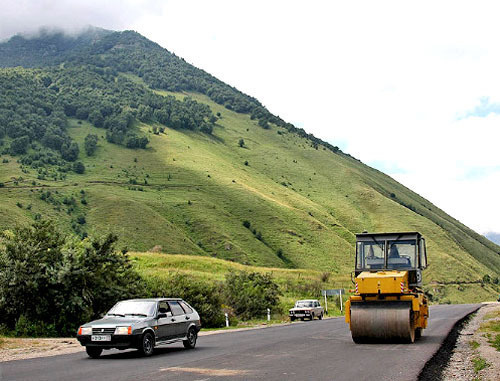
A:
474, 357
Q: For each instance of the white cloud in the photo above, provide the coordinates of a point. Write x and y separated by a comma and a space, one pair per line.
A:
28, 16
390, 80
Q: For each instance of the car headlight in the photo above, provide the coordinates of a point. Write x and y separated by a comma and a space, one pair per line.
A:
85, 331
123, 330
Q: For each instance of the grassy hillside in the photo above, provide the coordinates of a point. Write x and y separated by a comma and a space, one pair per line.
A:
190, 193
280, 200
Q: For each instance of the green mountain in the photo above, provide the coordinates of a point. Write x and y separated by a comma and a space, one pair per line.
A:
107, 131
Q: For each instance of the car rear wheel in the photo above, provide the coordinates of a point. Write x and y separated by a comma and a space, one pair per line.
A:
321, 316
93, 352
192, 336
147, 344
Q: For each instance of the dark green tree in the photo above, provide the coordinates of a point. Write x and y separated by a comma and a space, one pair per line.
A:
50, 281
250, 294
20, 145
70, 151
91, 144
78, 167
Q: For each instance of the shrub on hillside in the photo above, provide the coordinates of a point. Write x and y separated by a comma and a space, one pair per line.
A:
91, 144
49, 283
250, 294
205, 297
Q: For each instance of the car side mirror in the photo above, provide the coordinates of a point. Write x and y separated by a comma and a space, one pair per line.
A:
161, 315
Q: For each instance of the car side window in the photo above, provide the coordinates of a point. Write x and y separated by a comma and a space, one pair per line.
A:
186, 307
164, 308
176, 308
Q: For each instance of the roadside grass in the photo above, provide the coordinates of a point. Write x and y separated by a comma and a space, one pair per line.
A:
492, 315
479, 364
490, 326
495, 342
190, 193
474, 344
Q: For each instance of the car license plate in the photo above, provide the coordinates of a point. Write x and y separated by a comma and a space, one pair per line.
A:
299, 315
101, 338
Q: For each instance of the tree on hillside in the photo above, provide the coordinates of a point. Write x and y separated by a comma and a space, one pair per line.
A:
91, 144
78, 167
69, 152
19, 146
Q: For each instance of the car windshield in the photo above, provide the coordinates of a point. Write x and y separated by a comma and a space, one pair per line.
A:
138, 308
302, 303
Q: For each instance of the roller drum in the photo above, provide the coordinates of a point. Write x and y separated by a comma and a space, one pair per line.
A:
382, 322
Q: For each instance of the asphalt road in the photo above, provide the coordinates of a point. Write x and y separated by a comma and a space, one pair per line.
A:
319, 350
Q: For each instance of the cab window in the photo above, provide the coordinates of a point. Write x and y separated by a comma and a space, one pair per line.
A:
370, 255
401, 254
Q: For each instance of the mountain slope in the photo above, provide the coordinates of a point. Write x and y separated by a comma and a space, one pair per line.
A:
280, 199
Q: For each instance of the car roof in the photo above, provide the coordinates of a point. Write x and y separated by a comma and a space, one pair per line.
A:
307, 300
151, 300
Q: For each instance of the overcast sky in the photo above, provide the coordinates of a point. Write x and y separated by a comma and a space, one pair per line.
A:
411, 88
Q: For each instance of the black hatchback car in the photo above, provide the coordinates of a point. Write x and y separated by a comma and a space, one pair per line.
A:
142, 324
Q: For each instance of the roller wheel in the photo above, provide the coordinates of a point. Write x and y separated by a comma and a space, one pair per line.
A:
382, 322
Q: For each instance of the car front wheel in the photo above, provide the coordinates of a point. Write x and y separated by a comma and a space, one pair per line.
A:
147, 344
190, 342
93, 352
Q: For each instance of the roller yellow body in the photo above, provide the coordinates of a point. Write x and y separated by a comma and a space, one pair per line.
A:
388, 304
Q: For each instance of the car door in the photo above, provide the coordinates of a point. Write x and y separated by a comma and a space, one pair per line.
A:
178, 319
317, 311
191, 317
165, 326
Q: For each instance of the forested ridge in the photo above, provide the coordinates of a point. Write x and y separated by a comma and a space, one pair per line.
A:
84, 71
35, 105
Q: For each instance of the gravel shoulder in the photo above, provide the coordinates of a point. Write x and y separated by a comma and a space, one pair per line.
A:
473, 357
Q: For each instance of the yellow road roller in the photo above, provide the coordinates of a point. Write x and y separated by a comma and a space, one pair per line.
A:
388, 304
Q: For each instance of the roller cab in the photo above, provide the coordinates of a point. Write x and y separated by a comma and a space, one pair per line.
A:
388, 304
